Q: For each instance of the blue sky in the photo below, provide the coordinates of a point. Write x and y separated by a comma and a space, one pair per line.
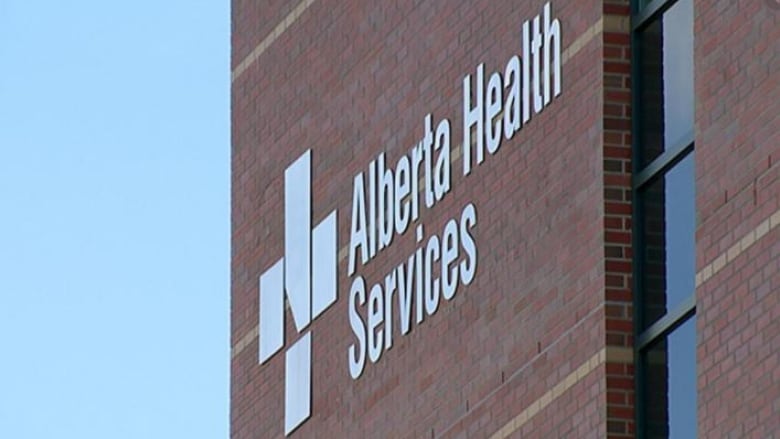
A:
114, 219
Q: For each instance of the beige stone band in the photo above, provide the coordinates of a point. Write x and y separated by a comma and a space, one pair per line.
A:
737, 249
270, 38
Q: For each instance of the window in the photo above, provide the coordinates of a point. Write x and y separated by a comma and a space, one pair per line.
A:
664, 218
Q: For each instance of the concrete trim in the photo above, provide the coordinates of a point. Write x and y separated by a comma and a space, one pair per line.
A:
248, 338
551, 395
739, 247
269, 39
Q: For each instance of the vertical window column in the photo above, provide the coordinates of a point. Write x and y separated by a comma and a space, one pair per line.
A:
664, 218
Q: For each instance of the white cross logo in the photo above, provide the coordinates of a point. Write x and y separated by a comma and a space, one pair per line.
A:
306, 275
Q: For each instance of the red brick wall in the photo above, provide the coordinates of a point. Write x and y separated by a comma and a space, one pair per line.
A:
737, 68
617, 218
522, 350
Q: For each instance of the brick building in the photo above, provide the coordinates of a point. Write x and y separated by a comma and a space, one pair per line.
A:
505, 219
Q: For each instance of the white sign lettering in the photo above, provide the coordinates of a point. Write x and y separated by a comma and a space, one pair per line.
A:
387, 200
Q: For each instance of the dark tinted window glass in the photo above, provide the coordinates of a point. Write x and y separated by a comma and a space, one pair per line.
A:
666, 86
669, 211
670, 384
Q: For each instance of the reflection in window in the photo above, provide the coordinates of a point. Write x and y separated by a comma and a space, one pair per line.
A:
668, 204
667, 94
670, 374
